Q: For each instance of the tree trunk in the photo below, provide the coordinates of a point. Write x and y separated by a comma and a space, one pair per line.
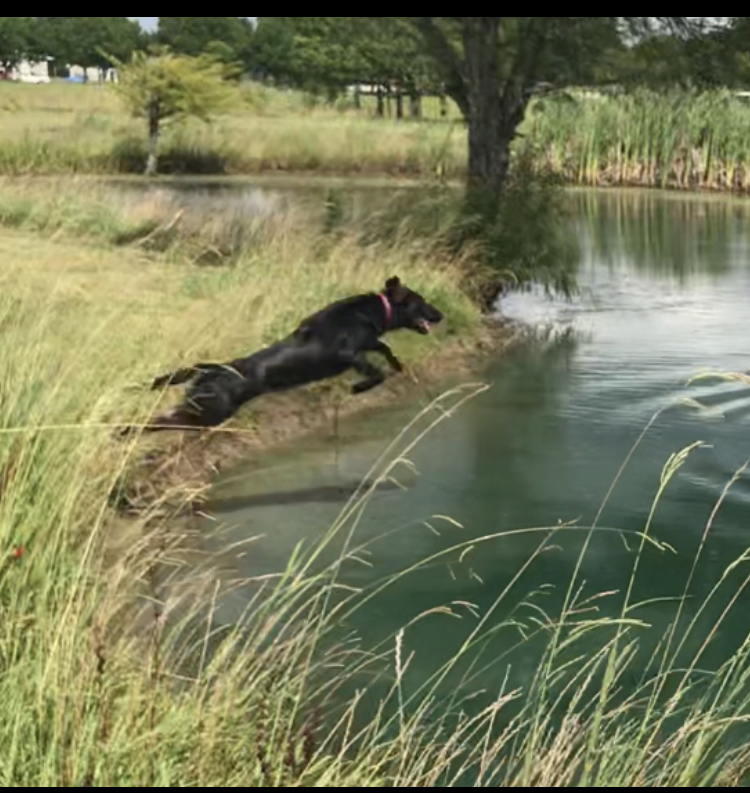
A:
492, 103
357, 97
153, 138
381, 105
489, 144
415, 100
399, 102
443, 104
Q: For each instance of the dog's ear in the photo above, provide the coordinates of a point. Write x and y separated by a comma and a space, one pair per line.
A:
397, 291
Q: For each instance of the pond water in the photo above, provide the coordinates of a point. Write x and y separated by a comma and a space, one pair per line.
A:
665, 295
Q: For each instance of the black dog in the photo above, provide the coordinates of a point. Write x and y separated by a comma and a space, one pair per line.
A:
324, 345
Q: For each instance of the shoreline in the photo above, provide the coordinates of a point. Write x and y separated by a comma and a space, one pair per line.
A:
185, 467
366, 179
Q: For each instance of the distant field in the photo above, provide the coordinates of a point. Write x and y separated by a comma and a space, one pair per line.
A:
62, 128
682, 141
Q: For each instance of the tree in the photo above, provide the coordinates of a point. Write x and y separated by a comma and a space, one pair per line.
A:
715, 58
15, 34
332, 53
271, 49
228, 38
83, 41
165, 87
394, 55
492, 66
313, 53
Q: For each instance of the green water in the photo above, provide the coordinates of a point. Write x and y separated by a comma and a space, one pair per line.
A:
666, 292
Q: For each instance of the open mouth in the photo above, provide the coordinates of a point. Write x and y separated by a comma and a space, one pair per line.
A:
423, 326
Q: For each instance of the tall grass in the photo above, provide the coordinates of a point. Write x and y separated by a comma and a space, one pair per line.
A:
527, 241
100, 685
678, 140
115, 672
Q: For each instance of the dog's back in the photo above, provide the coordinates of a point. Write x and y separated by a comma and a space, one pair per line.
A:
335, 317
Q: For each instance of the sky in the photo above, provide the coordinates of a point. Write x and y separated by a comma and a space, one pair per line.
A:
150, 22
146, 22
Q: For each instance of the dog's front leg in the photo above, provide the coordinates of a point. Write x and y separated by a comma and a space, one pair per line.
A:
387, 353
373, 376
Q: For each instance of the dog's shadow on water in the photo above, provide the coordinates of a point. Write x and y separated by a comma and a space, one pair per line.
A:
324, 494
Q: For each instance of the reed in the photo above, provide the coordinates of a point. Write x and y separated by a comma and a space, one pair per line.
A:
678, 140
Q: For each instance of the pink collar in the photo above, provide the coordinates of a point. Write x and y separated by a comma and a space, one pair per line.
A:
388, 309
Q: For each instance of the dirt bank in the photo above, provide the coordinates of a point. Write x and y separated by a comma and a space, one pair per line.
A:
175, 471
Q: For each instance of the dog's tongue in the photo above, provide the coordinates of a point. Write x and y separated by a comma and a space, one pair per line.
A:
425, 325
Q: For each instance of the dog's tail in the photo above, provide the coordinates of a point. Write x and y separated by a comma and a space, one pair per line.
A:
177, 419
182, 376
178, 377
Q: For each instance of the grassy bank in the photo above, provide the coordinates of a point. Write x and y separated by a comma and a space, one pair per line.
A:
174, 279
100, 291
682, 141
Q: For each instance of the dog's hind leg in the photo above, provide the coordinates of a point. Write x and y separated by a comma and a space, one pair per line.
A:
373, 376
182, 376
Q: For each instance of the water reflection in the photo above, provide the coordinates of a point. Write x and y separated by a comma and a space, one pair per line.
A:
322, 494
670, 235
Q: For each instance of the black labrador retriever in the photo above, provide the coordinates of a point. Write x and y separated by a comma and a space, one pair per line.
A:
324, 345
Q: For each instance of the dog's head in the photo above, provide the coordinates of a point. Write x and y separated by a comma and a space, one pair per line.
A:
410, 309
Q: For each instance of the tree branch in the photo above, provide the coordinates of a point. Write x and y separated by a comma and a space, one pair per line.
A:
448, 60
532, 37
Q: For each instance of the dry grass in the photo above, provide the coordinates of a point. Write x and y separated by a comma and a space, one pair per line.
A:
63, 128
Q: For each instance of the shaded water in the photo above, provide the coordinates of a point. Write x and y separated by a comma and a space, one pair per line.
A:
666, 288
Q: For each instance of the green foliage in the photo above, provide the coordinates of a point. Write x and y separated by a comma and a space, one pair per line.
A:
528, 240
87, 41
329, 53
15, 35
68, 40
179, 86
555, 50
714, 59
228, 38
310, 52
